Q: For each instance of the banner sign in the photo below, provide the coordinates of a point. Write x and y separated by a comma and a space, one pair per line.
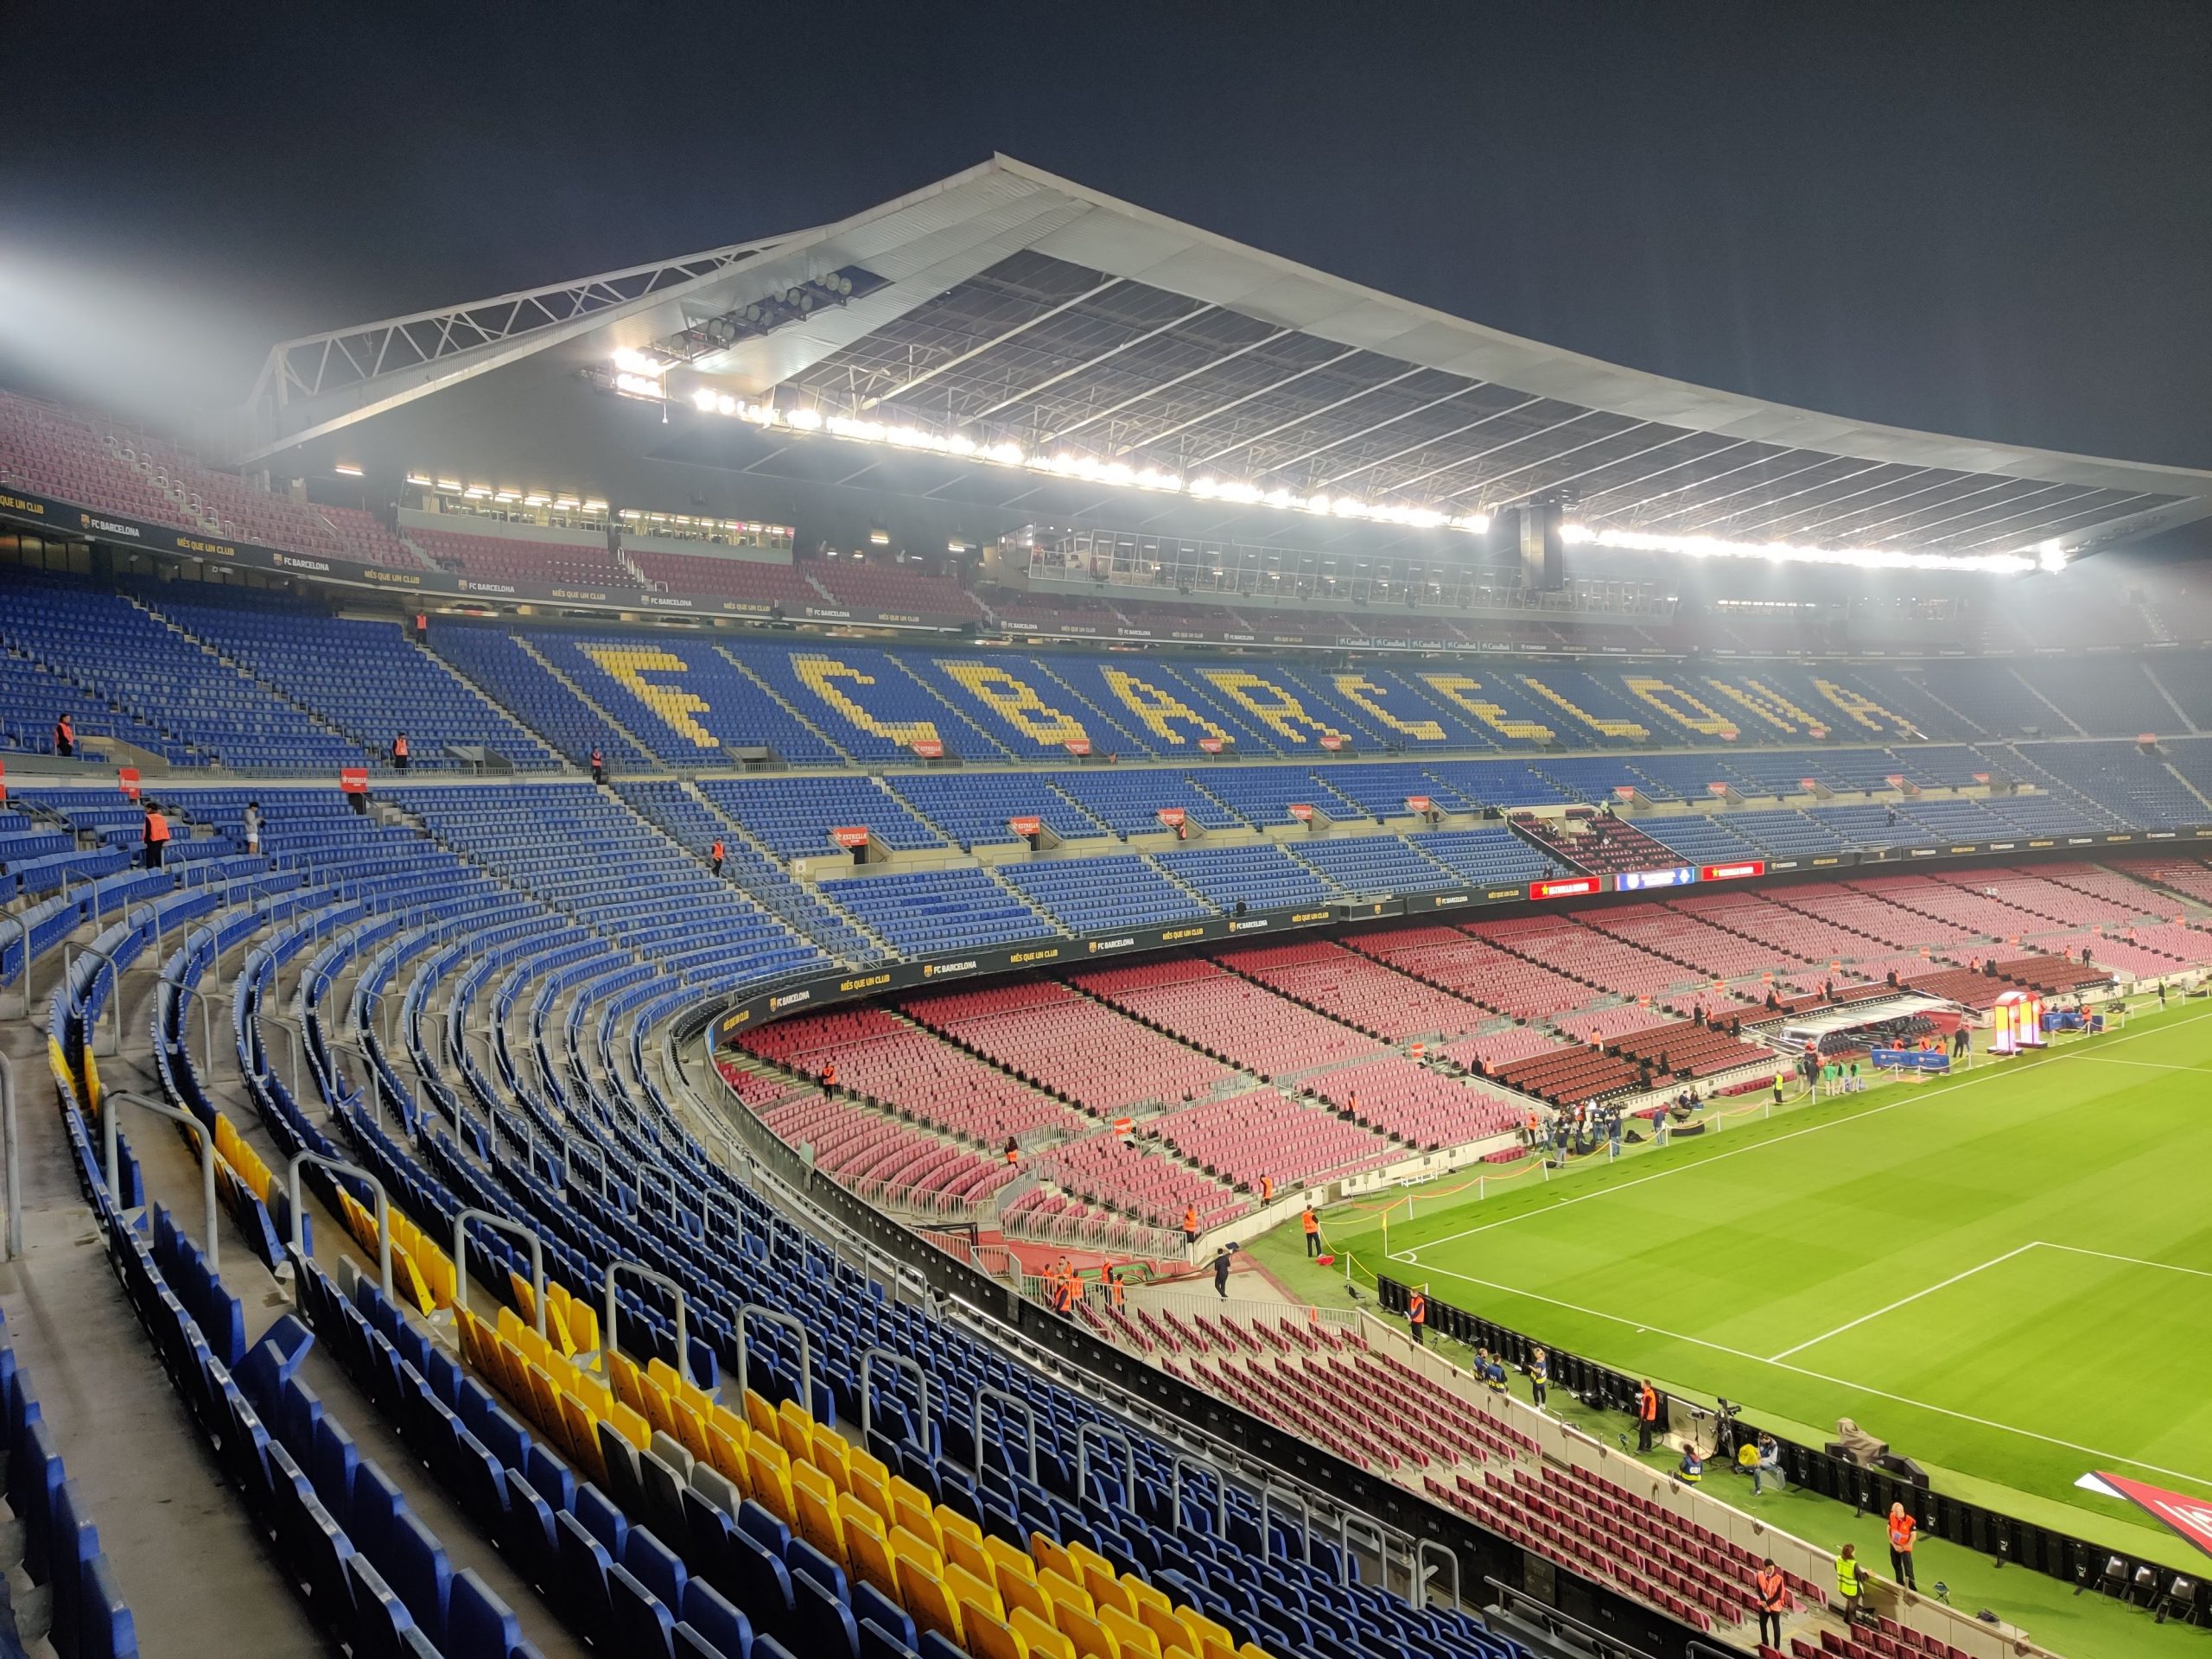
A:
1301, 811
1172, 816
1635, 880
1417, 803
1025, 827
353, 780
1078, 747
1736, 872
1911, 1059
1332, 741
126, 779
1573, 886
2190, 1517
1210, 745
850, 835
929, 748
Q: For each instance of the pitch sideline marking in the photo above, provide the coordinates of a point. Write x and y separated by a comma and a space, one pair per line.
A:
1978, 1076
2132, 1261
1813, 1342
1839, 1382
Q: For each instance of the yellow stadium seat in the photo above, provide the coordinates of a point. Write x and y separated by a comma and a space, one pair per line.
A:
922, 1595
960, 1545
988, 1637
911, 1509
1135, 1637
1047, 1553
910, 1546
859, 1463
795, 1429
1091, 1639
630, 1427
874, 1493
770, 1481
818, 1514
967, 1587
1064, 1591
1158, 1617
761, 1417
868, 1553
1046, 1639
1017, 1591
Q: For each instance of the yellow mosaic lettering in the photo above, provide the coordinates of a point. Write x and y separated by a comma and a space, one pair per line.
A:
1284, 715
1598, 723
1367, 697
1766, 702
1692, 713
1158, 709
1455, 689
627, 665
1015, 701
822, 674
1864, 709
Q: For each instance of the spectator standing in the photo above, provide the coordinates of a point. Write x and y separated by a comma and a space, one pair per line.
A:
399, 753
65, 737
1539, 1376
1647, 1414
1221, 1273
1904, 1534
1850, 1584
1417, 1318
157, 836
253, 827
1311, 1224
1774, 1596
714, 856
598, 766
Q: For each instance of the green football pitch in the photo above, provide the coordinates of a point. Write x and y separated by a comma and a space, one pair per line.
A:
2006, 1275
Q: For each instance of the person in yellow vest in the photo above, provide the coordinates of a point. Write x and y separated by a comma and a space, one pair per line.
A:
1311, 1224
1850, 1583
1647, 1414
1774, 1596
1904, 1532
1417, 1318
1691, 1470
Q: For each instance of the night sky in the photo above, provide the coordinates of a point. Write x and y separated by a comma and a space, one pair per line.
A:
1994, 220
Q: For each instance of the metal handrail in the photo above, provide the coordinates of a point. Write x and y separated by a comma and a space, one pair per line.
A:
984, 1391
1185, 1461
750, 1310
110, 1098
115, 999
492, 1218
1085, 1434
639, 1269
13, 1248
868, 1357
1422, 1551
1271, 1497
384, 1209
214, 949
22, 925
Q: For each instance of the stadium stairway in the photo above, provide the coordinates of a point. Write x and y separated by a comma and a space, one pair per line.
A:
561, 678
785, 704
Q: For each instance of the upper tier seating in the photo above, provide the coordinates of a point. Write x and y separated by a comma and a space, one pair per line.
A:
753, 581
929, 912
581, 563
1259, 875
793, 817
683, 699
1096, 895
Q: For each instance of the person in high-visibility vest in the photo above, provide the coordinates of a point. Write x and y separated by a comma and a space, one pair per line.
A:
598, 766
1190, 1224
1530, 1131
1691, 1469
1903, 1532
830, 1074
1311, 1224
1012, 1153
1266, 1189
399, 753
1849, 1586
714, 856
1417, 1317
1539, 1376
1774, 1597
1647, 1414
1117, 1291
157, 836
65, 737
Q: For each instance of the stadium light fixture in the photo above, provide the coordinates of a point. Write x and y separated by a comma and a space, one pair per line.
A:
1863, 558
345, 468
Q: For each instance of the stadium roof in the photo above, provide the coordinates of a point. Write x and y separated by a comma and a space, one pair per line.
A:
1008, 318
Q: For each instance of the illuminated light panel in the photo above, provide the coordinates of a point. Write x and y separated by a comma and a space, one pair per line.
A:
1090, 469
1863, 558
